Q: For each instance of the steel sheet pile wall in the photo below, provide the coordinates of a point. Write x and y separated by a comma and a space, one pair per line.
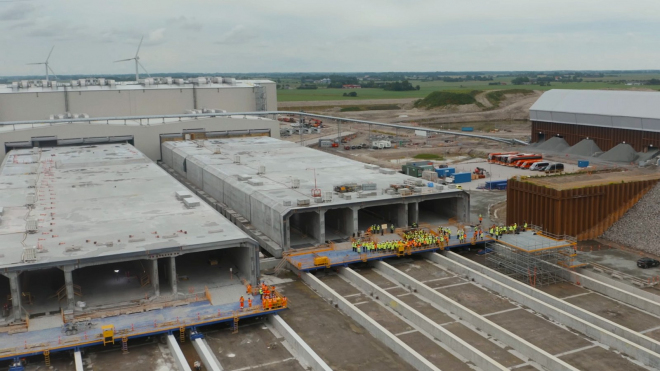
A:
606, 138
584, 212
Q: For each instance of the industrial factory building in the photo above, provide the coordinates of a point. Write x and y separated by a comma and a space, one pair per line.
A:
42, 100
145, 134
607, 117
104, 225
298, 196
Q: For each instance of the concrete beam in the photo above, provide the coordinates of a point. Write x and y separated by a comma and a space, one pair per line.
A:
375, 329
209, 360
615, 289
624, 340
177, 354
172, 274
300, 347
457, 344
77, 357
68, 282
153, 275
321, 226
413, 212
15, 291
526, 348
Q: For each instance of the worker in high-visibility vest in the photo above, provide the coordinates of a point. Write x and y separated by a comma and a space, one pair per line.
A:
249, 302
242, 301
284, 304
249, 289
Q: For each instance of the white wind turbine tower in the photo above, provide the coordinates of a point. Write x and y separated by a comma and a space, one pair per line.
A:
47, 65
137, 62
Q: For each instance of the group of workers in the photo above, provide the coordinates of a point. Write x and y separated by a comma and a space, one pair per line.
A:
419, 238
269, 298
377, 228
498, 231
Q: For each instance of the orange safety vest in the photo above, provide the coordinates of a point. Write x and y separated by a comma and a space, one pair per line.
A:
249, 302
270, 303
249, 288
242, 302
284, 302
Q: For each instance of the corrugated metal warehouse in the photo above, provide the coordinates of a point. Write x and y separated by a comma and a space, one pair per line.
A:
607, 117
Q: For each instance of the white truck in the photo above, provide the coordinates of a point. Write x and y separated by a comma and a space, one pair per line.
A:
381, 144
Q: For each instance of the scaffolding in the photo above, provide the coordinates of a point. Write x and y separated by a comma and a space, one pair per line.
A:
538, 263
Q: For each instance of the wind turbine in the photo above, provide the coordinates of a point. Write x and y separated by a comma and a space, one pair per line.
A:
46, 64
137, 62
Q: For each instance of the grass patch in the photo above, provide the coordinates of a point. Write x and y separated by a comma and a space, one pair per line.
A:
445, 98
429, 156
378, 107
496, 97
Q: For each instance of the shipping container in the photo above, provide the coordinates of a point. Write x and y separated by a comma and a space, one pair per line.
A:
445, 171
462, 178
415, 171
583, 163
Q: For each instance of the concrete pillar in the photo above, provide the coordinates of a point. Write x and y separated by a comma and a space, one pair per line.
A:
413, 212
463, 208
68, 282
14, 289
286, 245
173, 278
321, 226
402, 216
355, 212
153, 275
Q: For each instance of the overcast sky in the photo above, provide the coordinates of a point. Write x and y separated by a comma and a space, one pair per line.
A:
337, 35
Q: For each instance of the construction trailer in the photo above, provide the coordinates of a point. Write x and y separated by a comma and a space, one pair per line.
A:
288, 194
90, 227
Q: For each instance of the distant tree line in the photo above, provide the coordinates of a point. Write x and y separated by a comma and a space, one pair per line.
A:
404, 85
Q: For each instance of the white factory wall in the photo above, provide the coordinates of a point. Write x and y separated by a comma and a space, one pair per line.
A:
30, 106
96, 102
119, 102
146, 138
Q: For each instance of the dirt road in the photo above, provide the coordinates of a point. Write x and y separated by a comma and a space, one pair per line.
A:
341, 103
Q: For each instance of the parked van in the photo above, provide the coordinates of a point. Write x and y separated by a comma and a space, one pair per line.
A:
554, 168
539, 166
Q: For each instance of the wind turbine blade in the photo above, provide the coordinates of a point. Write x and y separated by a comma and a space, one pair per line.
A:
124, 60
51, 52
145, 70
138, 49
34, 63
53, 72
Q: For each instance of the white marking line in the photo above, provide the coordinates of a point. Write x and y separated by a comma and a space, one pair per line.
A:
362, 302
438, 279
575, 350
456, 284
400, 295
502, 311
351, 295
576, 295
405, 332
649, 330
264, 364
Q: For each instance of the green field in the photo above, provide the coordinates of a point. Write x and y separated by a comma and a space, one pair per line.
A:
321, 94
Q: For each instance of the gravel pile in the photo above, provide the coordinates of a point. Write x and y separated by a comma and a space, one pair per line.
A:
586, 147
645, 156
621, 153
554, 144
638, 228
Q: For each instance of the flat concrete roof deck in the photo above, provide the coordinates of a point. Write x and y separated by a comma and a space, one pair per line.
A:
108, 202
285, 161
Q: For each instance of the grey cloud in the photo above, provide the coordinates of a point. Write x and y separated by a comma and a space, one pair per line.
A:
17, 12
237, 35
